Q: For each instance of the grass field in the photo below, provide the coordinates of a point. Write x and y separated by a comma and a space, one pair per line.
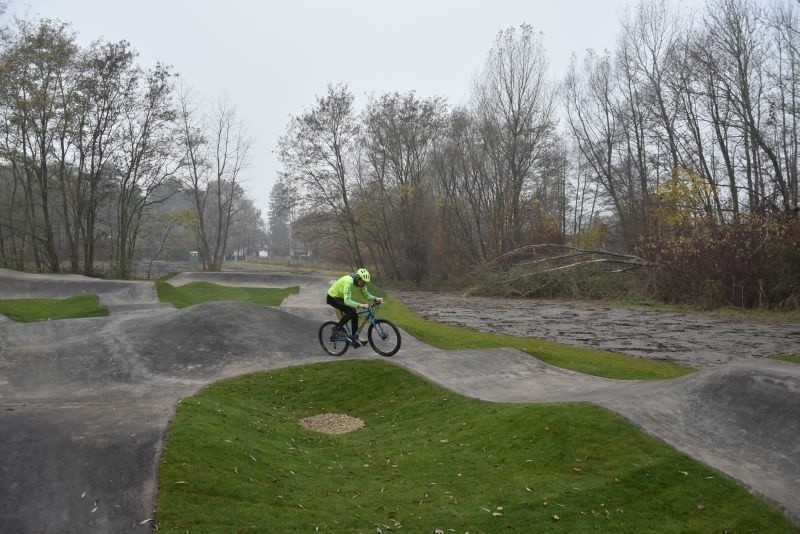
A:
428, 460
33, 310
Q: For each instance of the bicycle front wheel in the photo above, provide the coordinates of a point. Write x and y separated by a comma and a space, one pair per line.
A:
384, 337
333, 342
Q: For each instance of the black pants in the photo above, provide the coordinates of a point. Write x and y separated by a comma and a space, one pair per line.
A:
347, 311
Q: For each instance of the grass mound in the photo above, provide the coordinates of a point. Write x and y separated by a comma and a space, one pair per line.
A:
34, 310
428, 459
198, 292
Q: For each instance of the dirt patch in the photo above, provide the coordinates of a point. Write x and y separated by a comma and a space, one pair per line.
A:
695, 339
332, 423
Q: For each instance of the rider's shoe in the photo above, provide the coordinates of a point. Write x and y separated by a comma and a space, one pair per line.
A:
356, 342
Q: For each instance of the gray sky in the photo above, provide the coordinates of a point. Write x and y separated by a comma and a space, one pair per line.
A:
273, 58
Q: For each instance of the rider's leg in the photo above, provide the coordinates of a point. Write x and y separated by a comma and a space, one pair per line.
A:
347, 313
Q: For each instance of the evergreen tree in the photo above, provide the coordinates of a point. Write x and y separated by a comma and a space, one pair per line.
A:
281, 201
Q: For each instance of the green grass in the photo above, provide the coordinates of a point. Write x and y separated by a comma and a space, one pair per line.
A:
165, 277
198, 292
794, 358
33, 310
237, 461
584, 360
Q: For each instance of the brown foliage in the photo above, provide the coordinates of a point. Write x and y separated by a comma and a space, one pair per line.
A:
754, 262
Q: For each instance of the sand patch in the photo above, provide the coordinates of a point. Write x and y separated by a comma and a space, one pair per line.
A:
332, 423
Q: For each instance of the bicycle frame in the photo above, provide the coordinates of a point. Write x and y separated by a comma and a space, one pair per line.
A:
367, 320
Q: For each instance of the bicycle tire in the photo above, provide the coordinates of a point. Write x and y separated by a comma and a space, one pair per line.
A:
335, 346
385, 339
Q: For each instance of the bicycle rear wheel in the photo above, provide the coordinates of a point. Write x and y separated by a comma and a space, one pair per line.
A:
384, 337
334, 343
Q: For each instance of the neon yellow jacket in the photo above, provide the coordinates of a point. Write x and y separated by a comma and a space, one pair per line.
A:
343, 289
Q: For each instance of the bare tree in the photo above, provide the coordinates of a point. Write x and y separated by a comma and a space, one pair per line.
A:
105, 92
147, 158
513, 102
317, 154
282, 201
699, 108
458, 169
399, 135
784, 102
36, 64
591, 101
649, 55
740, 52
247, 234
231, 148
215, 153
16, 223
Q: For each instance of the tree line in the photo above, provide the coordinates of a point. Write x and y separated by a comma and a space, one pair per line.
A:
676, 149
102, 158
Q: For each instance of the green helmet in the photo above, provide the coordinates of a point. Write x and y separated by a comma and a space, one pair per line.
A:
363, 274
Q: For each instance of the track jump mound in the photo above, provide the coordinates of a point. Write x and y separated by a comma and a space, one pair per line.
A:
118, 295
54, 358
204, 338
751, 415
741, 418
761, 407
15, 284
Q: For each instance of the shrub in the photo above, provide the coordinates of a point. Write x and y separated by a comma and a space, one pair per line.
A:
753, 262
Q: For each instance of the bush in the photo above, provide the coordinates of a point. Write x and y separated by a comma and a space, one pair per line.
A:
751, 263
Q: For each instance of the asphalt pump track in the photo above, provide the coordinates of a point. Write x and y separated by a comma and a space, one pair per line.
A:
85, 403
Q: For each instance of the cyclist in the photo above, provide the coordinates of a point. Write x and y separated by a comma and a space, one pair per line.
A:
340, 297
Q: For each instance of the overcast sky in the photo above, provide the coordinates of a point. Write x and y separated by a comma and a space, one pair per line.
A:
273, 58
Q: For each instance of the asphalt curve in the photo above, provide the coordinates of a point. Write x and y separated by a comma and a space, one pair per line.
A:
85, 403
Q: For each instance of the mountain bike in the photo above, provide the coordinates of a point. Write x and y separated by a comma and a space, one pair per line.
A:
383, 336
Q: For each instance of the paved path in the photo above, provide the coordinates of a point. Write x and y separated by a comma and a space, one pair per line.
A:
84, 404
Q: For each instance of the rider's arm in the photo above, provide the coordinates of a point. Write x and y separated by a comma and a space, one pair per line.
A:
348, 296
368, 295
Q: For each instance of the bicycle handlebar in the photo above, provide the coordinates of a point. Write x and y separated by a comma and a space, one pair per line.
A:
371, 305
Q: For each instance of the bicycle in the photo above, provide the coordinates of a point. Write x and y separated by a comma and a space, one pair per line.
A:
383, 336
